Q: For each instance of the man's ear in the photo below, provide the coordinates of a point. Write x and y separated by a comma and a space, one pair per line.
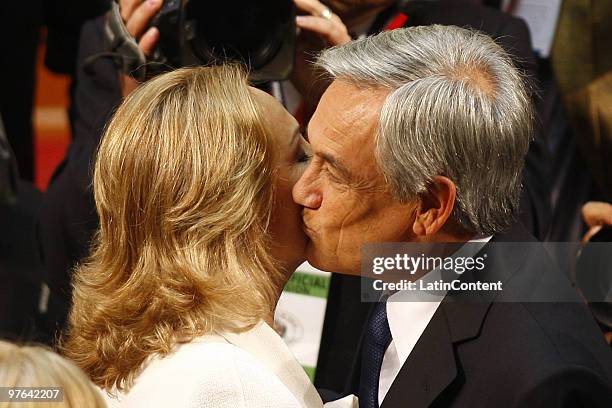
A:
435, 206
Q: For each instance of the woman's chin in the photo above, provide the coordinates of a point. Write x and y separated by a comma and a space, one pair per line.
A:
297, 254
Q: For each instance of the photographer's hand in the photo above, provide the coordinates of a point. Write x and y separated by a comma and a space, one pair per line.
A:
322, 22
596, 214
137, 14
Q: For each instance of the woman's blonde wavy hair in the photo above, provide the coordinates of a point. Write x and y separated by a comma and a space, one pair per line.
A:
183, 189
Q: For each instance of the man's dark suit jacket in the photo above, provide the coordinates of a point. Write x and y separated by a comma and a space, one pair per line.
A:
480, 351
345, 313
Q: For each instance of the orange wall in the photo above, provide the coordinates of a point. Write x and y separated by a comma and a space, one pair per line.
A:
51, 127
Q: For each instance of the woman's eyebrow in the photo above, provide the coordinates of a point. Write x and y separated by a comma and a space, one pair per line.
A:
295, 138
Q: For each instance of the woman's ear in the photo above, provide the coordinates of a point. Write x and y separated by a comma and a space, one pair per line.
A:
435, 206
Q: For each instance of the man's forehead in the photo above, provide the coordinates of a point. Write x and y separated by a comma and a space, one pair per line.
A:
343, 92
347, 110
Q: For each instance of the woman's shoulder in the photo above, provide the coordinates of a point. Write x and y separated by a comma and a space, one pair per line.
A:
207, 373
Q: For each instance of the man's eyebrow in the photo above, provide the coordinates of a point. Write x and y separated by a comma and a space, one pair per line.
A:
331, 160
336, 164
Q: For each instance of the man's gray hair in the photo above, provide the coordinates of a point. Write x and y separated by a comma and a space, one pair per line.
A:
457, 107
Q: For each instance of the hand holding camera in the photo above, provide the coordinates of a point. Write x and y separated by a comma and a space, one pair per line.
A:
321, 21
181, 32
137, 15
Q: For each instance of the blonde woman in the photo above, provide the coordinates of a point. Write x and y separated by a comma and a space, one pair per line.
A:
35, 366
198, 235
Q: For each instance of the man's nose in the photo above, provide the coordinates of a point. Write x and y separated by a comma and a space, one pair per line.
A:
305, 192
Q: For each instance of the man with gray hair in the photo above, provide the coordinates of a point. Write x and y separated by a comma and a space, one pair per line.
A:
421, 137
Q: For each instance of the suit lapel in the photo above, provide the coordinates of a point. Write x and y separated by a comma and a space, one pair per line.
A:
429, 369
432, 366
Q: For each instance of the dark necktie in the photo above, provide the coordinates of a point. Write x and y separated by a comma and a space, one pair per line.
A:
376, 340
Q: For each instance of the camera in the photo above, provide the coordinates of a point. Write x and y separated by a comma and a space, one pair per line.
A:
260, 34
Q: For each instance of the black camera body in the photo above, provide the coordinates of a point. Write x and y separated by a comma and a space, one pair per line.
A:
172, 48
260, 34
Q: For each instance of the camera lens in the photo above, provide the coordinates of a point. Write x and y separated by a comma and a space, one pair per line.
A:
249, 31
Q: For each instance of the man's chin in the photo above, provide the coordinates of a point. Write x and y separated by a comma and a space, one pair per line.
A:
318, 259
